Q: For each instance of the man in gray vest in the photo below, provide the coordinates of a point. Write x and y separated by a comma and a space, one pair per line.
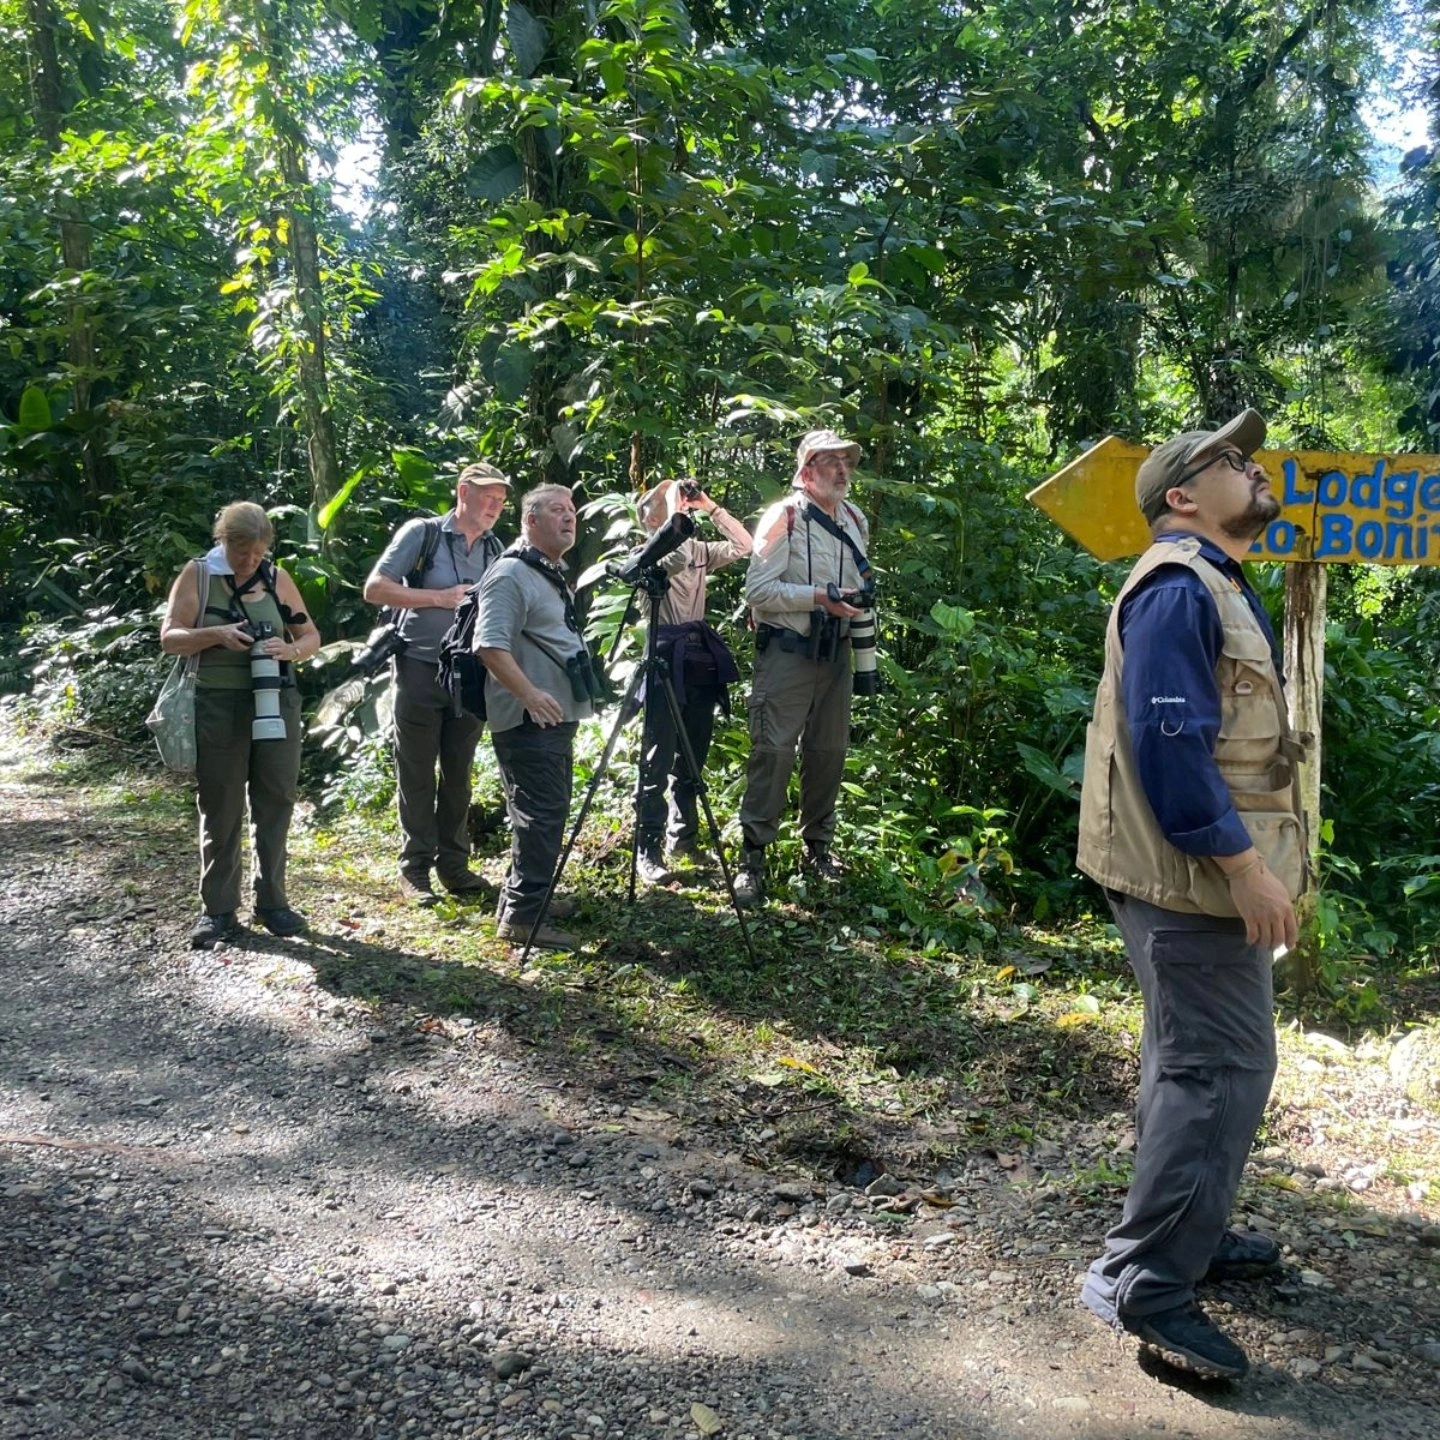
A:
539, 685
809, 547
423, 575
1190, 818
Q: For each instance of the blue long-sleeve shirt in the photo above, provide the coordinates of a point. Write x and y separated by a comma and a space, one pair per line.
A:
1172, 637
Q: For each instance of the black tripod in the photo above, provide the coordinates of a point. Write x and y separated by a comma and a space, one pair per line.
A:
652, 670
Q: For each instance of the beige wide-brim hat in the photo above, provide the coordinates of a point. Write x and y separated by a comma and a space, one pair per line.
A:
482, 472
1162, 468
815, 442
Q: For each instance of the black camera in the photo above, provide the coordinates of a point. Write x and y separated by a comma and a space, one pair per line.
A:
861, 599
689, 489
383, 642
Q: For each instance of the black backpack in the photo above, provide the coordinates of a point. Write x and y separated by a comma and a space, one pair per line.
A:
461, 675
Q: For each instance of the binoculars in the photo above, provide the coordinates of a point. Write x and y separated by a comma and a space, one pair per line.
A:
585, 682
824, 642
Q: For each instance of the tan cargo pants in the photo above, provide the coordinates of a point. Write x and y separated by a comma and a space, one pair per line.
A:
796, 701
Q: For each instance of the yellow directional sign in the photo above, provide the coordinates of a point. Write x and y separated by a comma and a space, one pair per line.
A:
1343, 509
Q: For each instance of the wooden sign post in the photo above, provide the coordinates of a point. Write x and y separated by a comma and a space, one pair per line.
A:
1335, 510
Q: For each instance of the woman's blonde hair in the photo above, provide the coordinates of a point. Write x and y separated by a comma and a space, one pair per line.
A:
244, 523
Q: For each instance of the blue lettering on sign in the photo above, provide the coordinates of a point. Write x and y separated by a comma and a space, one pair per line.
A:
1336, 535
1408, 500
1365, 489
1280, 538
1293, 494
1398, 539
1400, 494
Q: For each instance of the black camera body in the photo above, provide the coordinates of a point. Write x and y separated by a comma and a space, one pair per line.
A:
861, 599
383, 642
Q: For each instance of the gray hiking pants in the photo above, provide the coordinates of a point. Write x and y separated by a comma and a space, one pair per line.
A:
795, 701
1207, 1059
434, 819
536, 765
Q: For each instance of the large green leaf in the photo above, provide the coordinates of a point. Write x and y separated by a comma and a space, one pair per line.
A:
340, 498
529, 40
35, 409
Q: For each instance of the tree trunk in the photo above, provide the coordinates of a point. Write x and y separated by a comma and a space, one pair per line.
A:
48, 93
310, 298
304, 249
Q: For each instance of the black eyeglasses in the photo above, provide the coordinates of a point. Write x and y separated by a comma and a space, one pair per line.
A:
1233, 458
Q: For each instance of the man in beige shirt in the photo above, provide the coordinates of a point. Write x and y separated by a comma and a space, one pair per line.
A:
701, 667
811, 541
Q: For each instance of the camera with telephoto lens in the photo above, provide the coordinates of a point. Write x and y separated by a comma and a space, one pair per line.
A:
862, 634
265, 684
383, 642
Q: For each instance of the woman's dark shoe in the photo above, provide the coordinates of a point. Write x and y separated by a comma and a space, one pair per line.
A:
213, 930
467, 885
281, 920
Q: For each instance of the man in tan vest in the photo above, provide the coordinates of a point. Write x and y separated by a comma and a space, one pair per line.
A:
1190, 818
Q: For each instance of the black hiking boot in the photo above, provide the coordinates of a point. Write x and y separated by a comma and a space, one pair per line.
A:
280, 920
1242, 1253
1188, 1339
213, 930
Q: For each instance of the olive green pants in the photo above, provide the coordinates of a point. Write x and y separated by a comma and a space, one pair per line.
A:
227, 765
795, 701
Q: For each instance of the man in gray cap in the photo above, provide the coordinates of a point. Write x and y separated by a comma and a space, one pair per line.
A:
809, 548
1190, 818
423, 575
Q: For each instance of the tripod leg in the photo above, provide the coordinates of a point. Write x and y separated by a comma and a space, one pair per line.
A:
702, 794
585, 804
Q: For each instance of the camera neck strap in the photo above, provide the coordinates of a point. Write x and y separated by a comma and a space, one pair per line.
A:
537, 560
813, 513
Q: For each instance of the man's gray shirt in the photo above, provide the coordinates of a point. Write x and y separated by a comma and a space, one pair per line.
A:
522, 612
454, 563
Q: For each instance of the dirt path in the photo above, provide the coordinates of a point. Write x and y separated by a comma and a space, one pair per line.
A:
238, 1204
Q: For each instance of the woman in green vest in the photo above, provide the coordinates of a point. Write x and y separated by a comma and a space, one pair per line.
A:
252, 615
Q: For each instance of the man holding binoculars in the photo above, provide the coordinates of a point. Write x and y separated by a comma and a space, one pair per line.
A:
701, 667
540, 682
811, 593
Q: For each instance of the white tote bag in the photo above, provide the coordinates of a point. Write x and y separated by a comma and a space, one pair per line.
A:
172, 719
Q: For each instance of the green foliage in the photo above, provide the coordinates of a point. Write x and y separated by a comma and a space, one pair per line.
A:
623, 240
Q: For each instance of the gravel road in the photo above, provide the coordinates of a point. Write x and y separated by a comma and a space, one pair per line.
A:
238, 1204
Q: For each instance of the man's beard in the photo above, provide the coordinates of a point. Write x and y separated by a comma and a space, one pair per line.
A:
1251, 522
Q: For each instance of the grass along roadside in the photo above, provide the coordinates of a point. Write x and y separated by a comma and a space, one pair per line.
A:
847, 1052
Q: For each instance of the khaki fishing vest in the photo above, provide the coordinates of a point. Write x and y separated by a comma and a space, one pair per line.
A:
1121, 844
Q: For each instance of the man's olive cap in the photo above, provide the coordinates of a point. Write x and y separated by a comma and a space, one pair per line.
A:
1163, 467
482, 472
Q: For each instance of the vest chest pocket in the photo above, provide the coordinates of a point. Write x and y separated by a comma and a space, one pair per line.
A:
1250, 724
